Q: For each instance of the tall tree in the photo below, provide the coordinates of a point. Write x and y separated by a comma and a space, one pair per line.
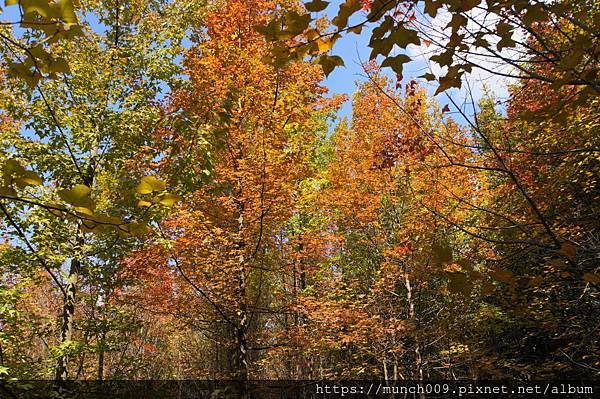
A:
79, 130
259, 124
386, 262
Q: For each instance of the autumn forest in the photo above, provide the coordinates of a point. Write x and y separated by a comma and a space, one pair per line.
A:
185, 195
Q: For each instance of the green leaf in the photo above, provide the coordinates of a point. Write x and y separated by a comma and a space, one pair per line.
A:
8, 192
452, 79
296, 23
403, 37
24, 72
505, 42
329, 63
83, 210
504, 31
59, 65
137, 229
442, 253
380, 7
570, 61
432, 7
381, 46
150, 184
41, 7
481, 42
12, 168
459, 284
316, 5
467, 5
535, 13
14, 173
347, 8
271, 30
382, 29
356, 30
455, 39
65, 11
396, 63
280, 54
428, 76
457, 21
443, 59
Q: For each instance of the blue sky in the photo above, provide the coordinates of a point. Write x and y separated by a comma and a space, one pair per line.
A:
354, 49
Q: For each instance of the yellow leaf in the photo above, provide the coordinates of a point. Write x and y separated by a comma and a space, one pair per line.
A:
28, 178
84, 210
324, 44
77, 196
168, 199
150, 184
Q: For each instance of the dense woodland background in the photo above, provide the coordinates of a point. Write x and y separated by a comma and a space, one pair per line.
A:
180, 198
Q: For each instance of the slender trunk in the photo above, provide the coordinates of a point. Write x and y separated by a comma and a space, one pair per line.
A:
241, 363
295, 358
101, 356
66, 332
413, 317
385, 370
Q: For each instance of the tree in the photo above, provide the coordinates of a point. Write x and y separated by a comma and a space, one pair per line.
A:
258, 124
552, 284
178, 199
78, 130
384, 263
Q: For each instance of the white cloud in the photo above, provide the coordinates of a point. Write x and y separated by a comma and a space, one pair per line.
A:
489, 73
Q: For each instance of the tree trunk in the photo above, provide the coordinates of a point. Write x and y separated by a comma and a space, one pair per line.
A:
385, 370
101, 356
412, 315
241, 361
66, 332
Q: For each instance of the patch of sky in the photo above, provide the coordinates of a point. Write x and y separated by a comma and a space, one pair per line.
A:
355, 52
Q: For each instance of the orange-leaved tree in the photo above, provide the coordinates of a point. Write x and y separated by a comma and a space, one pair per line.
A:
259, 126
388, 263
